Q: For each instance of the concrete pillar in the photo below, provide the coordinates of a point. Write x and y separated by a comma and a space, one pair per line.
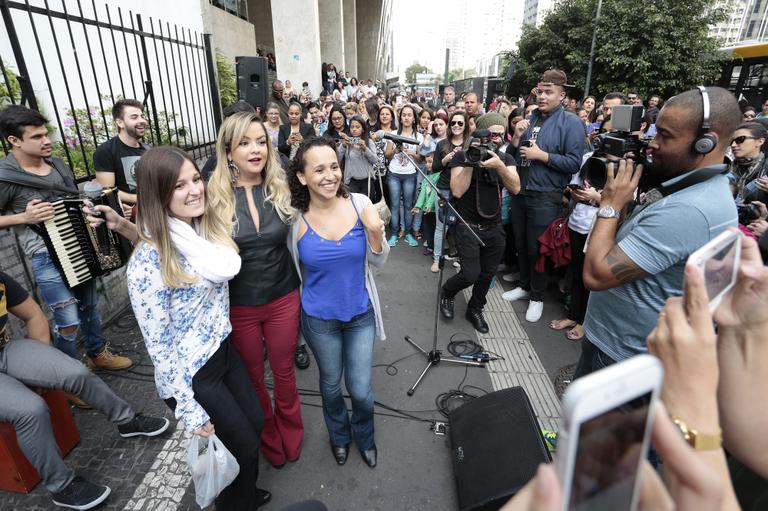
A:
368, 26
260, 14
350, 37
332, 32
296, 31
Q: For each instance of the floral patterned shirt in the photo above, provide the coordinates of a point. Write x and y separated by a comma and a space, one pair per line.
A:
182, 328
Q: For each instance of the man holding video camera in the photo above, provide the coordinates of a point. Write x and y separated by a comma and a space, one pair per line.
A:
635, 261
477, 176
549, 148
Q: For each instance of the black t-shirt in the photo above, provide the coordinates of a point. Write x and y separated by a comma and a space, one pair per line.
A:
114, 156
11, 295
443, 147
481, 203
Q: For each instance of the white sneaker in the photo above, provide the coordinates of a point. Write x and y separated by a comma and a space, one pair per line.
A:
435, 267
510, 277
516, 294
456, 264
533, 314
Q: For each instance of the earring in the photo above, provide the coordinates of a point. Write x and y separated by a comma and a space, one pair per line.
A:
234, 171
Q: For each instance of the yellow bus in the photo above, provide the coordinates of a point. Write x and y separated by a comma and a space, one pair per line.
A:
745, 72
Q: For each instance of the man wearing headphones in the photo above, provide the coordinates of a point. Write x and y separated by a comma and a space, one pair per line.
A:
635, 261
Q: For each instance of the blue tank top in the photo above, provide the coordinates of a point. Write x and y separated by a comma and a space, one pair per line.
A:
334, 274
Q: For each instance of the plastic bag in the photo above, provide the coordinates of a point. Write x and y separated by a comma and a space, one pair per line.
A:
212, 467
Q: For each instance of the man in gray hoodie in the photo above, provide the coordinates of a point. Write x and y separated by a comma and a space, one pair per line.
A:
30, 179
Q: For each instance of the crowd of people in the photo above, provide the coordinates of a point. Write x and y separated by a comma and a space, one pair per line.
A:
290, 215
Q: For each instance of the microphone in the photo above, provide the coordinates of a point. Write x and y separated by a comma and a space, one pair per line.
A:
397, 139
93, 190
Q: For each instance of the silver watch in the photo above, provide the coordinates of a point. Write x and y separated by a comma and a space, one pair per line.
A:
608, 212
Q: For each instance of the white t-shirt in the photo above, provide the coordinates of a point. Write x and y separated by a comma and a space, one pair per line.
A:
399, 163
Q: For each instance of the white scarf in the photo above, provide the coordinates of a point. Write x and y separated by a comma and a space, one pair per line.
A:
217, 263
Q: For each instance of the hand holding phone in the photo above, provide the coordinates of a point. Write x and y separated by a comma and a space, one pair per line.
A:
605, 438
718, 260
685, 341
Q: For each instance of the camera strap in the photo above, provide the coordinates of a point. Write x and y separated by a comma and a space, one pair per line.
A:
692, 178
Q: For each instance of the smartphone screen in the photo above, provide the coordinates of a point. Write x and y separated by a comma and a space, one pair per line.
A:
719, 270
608, 456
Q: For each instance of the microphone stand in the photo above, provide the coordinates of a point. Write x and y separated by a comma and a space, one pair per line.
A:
434, 356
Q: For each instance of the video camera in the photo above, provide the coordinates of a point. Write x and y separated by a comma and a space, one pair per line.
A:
620, 142
482, 151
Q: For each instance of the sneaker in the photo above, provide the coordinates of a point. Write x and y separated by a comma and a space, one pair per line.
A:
411, 240
143, 425
456, 264
392, 241
435, 267
81, 494
105, 359
516, 294
550, 439
533, 314
510, 277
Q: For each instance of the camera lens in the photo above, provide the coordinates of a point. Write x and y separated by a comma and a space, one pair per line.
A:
596, 171
474, 154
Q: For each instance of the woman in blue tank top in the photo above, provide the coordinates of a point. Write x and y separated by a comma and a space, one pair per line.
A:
337, 239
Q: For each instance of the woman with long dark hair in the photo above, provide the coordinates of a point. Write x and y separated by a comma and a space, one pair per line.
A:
337, 124
401, 178
178, 285
334, 244
358, 154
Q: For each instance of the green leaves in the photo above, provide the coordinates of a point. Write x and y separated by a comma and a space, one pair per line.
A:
659, 47
227, 84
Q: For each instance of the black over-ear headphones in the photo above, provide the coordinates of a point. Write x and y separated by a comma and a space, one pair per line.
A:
705, 142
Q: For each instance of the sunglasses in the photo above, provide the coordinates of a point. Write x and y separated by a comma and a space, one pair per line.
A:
740, 140
457, 123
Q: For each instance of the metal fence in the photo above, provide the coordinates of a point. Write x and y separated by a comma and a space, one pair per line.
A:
72, 66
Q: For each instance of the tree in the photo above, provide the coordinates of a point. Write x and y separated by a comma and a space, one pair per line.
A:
414, 69
227, 84
662, 48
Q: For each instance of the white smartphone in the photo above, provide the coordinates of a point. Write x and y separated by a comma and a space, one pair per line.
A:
605, 438
718, 261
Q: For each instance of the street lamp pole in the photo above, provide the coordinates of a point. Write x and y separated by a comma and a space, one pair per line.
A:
592, 49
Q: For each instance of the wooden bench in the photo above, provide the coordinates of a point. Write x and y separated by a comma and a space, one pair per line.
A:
16, 474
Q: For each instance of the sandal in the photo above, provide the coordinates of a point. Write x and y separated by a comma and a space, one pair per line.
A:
562, 324
576, 333
417, 235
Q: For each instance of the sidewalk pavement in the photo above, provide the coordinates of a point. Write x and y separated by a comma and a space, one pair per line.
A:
414, 470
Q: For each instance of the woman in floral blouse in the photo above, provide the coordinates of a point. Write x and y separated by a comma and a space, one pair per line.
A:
178, 285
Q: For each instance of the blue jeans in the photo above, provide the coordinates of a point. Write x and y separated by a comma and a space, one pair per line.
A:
71, 307
397, 184
344, 347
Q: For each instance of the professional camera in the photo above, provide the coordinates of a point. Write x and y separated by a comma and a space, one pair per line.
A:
747, 213
620, 142
480, 152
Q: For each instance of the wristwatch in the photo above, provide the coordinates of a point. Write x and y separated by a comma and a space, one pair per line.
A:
698, 440
608, 212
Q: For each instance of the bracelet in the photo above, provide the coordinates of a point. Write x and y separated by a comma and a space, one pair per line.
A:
698, 440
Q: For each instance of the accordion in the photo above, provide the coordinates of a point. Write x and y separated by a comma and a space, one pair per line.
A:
82, 252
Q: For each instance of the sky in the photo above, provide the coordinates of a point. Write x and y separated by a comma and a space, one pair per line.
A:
420, 30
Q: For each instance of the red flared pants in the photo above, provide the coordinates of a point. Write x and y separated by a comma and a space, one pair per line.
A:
275, 324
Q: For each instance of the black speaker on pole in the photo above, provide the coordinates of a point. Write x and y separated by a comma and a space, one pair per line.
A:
252, 81
496, 446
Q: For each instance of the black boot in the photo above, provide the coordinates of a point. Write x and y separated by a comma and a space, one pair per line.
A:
475, 316
446, 306
301, 357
